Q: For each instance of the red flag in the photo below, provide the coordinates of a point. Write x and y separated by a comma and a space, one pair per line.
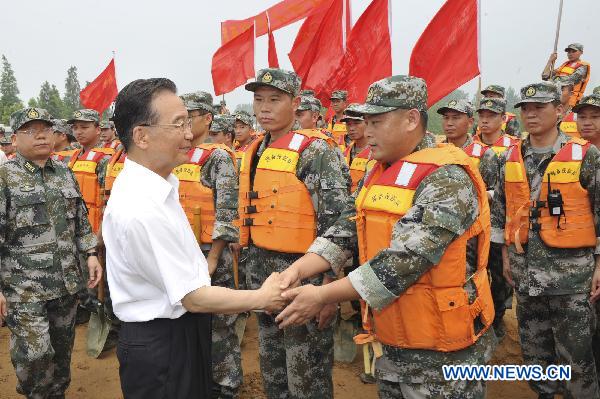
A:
273, 61
368, 56
102, 91
282, 14
446, 55
233, 63
319, 46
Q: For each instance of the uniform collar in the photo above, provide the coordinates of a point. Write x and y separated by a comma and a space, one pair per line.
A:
561, 140
32, 167
468, 142
428, 141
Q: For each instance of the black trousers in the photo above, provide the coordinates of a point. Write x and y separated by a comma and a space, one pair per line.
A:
165, 358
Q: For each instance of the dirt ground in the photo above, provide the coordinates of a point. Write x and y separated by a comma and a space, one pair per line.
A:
99, 378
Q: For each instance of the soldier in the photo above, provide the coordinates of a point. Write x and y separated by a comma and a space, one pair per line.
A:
63, 137
308, 112
415, 212
573, 75
358, 153
6, 144
108, 136
43, 230
208, 193
546, 218
510, 123
339, 102
222, 130
292, 187
588, 118
243, 133
490, 112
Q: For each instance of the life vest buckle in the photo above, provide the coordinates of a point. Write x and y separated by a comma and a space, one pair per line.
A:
248, 222
534, 213
535, 226
252, 195
251, 209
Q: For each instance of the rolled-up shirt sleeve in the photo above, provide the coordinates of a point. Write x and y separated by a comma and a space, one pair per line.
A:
150, 254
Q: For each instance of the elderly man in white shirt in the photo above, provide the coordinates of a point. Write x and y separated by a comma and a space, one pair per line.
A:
2, 157
157, 275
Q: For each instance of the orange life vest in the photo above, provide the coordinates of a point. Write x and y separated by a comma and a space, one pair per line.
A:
240, 150
62, 155
115, 144
508, 116
576, 228
339, 132
114, 167
196, 199
569, 125
502, 144
568, 68
276, 211
434, 313
84, 166
359, 165
475, 151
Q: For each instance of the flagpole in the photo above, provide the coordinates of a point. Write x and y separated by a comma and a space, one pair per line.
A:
560, 7
479, 57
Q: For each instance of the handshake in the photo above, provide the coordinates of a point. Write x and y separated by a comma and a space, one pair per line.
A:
300, 304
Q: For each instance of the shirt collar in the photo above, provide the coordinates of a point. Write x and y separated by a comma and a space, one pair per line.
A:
467, 142
150, 183
428, 141
32, 167
561, 140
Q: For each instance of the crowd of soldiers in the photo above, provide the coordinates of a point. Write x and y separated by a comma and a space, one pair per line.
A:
443, 232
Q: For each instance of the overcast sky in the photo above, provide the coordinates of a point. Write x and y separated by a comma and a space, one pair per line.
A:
177, 38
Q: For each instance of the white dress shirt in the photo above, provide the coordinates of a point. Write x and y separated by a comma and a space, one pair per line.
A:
2, 157
152, 256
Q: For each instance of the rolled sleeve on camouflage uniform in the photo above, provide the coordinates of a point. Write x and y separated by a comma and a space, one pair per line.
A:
219, 173
331, 252
445, 206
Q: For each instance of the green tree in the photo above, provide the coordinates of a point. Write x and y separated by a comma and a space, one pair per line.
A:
32, 103
434, 123
72, 89
511, 99
9, 92
49, 98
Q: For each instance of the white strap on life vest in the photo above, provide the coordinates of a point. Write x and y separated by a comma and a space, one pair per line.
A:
296, 142
477, 150
406, 173
506, 142
576, 152
90, 156
196, 155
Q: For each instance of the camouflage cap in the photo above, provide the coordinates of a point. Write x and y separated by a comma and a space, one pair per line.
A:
85, 115
574, 46
107, 125
310, 93
198, 100
462, 106
243, 117
21, 117
61, 125
222, 123
542, 92
339, 95
497, 105
350, 114
592, 100
5, 137
494, 89
395, 92
309, 103
597, 90
286, 81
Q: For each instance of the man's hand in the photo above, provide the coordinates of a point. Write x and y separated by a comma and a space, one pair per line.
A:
506, 272
290, 277
595, 292
95, 270
3, 309
327, 315
235, 248
271, 299
212, 264
306, 305
553, 57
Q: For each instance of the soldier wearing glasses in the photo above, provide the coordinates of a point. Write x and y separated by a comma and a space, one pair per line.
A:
208, 193
43, 230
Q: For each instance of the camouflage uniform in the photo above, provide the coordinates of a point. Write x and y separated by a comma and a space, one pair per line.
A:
577, 76
43, 229
297, 362
445, 205
556, 319
219, 173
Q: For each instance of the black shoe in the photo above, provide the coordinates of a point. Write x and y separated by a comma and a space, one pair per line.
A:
83, 316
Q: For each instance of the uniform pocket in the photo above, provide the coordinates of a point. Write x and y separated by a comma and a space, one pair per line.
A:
30, 210
36, 261
71, 196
